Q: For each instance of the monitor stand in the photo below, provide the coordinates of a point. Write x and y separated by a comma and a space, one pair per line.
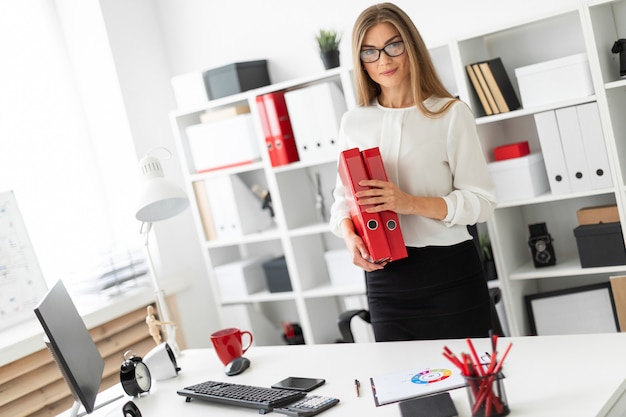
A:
74, 410
77, 406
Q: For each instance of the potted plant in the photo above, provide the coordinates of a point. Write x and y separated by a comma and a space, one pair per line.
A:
486, 255
328, 42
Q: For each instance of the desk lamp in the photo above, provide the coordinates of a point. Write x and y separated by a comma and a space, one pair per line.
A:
159, 199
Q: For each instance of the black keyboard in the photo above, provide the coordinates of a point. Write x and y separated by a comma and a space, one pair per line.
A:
284, 401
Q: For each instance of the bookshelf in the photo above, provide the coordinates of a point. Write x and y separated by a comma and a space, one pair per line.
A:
302, 237
591, 28
298, 231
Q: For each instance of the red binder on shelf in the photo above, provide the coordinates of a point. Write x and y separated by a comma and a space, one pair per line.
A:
368, 225
284, 144
376, 171
267, 133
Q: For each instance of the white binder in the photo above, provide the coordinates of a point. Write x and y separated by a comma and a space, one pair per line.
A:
552, 150
573, 149
595, 148
236, 209
315, 113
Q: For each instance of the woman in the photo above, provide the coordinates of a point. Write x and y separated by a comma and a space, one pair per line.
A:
438, 185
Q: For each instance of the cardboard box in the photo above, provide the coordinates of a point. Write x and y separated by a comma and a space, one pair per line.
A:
342, 272
241, 278
519, 178
600, 244
236, 78
598, 214
618, 287
555, 80
277, 275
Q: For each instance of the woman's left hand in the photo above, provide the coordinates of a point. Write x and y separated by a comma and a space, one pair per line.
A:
384, 195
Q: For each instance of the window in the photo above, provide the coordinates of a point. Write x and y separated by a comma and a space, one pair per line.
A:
74, 184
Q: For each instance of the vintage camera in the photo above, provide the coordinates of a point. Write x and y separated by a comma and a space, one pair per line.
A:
540, 243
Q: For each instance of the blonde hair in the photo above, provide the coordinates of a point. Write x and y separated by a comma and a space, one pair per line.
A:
424, 78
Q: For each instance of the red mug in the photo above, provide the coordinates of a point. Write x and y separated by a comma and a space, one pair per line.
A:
228, 343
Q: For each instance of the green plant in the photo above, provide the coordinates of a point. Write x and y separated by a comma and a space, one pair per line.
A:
328, 40
485, 247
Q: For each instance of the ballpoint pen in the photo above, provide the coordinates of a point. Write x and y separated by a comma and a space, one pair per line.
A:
357, 387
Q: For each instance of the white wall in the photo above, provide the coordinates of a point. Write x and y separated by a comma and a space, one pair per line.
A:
154, 40
201, 34
142, 69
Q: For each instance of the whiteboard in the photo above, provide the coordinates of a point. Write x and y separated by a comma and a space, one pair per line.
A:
22, 284
580, 310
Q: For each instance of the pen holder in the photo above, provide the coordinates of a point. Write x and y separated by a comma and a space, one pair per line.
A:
487, 396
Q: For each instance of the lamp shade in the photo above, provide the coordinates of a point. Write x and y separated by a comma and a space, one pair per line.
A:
159, 199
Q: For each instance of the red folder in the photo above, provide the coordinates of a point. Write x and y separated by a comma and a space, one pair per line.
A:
376, 171
269, 139
368, 225
280, 128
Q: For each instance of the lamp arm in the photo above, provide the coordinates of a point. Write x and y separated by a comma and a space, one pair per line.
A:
169, 329
145, 232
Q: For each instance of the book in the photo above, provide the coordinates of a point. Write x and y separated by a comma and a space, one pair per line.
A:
367, 225
437, 405
204, 209
479, 91
485, 87
500, 85
391, 224
416, 382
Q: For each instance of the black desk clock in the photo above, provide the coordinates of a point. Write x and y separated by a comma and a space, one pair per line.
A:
134, 375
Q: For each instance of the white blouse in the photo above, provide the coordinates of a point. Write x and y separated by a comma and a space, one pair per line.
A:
424, 157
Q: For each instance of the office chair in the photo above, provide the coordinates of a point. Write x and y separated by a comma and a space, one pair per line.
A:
345, 318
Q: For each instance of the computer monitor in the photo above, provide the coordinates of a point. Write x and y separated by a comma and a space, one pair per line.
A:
71, 345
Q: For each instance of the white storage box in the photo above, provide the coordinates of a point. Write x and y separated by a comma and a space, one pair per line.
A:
519, 178
556, 80
223, 143
343, 273
241, 278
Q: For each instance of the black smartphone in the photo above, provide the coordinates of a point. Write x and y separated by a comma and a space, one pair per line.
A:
299, 383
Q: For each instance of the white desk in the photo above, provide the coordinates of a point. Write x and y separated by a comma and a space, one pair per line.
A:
568, 376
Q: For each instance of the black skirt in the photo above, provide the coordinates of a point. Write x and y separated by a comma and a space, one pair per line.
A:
438, 292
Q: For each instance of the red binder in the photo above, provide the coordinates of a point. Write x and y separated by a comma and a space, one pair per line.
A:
269, 139
376, 171
280, 127
367, 225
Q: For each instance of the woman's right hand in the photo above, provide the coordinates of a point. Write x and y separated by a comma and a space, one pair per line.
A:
357, 248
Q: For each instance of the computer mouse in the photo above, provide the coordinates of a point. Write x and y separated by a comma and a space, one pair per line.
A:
237, 366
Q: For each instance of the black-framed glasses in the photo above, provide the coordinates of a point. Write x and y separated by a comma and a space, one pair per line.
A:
392, 50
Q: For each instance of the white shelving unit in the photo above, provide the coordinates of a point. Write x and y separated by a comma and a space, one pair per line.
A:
302, 237
592, 29
299, 233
